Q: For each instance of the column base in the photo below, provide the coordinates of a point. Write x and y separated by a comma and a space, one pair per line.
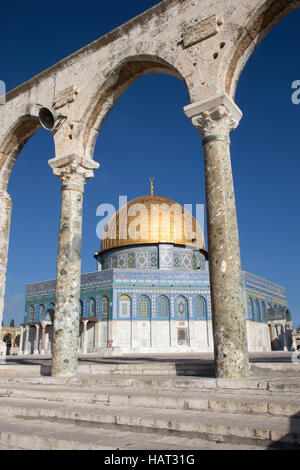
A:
2, 352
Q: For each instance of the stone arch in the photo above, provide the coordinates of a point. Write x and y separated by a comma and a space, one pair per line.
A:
8, 339
288, 315
266, 17
16, 137
49, 312
124, 74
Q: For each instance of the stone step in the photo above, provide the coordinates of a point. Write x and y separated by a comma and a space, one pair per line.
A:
20, 370
163, 383
261, 402
206, 424
178, 368
185, 368
26, 434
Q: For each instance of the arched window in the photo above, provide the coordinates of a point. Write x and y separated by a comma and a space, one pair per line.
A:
31, 314
250, 308
264, 311
199, 308
258, 314
144, 307
49, 313
41, 311
104, 308
124, 310
256, 310
163, 309
182, 310
81, 308
92, 307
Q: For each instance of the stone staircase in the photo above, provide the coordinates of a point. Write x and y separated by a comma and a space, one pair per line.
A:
138, 406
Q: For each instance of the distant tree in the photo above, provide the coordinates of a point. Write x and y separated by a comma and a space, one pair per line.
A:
12, 323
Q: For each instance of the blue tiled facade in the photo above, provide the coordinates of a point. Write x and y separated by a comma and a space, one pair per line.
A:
260, 295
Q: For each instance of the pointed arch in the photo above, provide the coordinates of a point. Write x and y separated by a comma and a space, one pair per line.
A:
124, 74
262, 20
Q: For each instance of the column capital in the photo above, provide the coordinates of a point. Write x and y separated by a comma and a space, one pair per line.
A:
73, 169
215, 117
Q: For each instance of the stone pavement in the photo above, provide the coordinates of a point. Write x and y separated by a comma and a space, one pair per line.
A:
154, 404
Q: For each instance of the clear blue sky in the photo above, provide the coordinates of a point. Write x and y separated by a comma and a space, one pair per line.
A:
147, 134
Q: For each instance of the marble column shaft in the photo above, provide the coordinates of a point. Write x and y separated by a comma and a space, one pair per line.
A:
66, 319
21, 340
84, 337
43, 338
5, 219
215, 119
27, 344
36, 341
73, 171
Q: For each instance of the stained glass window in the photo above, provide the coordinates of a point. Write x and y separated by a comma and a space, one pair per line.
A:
104, 307
144, 307
181, 309
200, 308
125, 306
163, 308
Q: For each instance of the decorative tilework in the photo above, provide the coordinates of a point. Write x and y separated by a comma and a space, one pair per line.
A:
194, 262
131, 260
154, 259
122, 261
176, 260
142, 260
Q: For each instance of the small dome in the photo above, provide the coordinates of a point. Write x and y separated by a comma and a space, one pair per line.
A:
152, 219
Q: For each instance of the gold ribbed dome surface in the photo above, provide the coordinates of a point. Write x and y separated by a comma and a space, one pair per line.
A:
152, 219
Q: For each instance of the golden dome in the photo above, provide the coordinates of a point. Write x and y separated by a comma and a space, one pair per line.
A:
152, 219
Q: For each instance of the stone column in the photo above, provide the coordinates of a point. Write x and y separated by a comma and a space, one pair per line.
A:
27, 344
284, 337
215, 118
36, 341
72, 171
21, 340
12, 346
5, 217
84, 337
97, 336
43, 325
